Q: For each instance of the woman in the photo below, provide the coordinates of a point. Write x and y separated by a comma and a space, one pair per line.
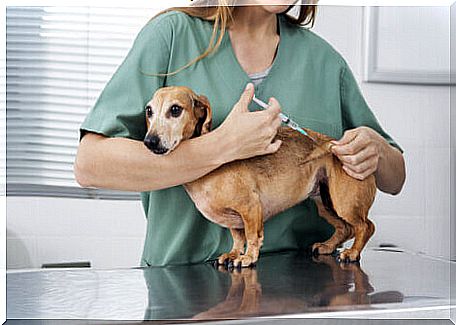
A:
290, 65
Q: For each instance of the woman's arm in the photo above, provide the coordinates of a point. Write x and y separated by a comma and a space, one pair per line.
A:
124, 164
364, 152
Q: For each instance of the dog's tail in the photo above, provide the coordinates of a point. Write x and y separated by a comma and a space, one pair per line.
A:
322, 149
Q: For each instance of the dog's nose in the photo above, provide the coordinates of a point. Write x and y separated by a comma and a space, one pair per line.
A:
152, 142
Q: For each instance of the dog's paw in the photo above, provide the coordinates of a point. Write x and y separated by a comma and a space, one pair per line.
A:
322, 249
349, 255
244, 261
227, 257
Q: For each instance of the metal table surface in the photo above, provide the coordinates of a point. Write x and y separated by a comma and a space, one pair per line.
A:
386, 283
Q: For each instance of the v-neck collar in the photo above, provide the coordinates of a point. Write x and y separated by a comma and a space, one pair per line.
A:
230, 66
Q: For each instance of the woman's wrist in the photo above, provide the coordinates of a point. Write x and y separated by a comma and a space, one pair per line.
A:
385, 151
222, 147
390, 173
383, 148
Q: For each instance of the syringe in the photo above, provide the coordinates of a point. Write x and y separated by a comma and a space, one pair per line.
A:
285, 119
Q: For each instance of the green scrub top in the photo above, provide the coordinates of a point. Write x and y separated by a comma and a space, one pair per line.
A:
308, 77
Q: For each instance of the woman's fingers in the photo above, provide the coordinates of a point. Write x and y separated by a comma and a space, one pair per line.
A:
273, 147
245, 99
361, 176
355, 144
363, 166
251, 133
269, 118
273, 109
358, 152
348, 137
277, 122
358, 158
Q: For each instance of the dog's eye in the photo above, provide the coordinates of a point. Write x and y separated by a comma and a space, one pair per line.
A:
175, 110
148, 111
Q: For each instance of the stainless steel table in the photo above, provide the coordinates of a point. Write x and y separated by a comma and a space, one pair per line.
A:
387, 283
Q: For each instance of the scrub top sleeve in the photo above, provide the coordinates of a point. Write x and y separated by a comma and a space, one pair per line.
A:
119, 110
355, 111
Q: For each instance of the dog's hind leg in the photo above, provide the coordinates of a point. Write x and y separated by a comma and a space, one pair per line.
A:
362, 227
342, 230
363, 231
351, 200
238, 246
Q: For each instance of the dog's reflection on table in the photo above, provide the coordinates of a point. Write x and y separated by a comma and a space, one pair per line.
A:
347, 286
280, 284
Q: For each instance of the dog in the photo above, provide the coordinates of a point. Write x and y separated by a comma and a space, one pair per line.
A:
243, 194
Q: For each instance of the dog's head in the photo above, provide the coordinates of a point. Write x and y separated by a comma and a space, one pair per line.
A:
175, 114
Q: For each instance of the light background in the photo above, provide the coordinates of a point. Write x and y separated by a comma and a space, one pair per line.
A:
111, 233
416, 116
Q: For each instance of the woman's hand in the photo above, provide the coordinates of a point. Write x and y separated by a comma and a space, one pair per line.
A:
360, 150
245, 134
364, 152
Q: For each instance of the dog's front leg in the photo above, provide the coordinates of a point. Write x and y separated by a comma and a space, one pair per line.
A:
238, 246
252, 216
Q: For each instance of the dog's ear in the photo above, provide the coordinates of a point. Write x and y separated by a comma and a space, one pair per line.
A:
203, 113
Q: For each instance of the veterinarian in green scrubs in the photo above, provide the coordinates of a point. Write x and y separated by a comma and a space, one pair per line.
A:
311, 81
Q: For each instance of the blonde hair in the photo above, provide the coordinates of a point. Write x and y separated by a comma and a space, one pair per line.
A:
220, 12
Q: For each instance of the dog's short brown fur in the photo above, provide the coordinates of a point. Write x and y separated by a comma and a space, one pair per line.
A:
244, 194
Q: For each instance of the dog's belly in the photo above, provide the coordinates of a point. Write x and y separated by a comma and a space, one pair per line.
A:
271, 207
222, 216
229, 218
276, 198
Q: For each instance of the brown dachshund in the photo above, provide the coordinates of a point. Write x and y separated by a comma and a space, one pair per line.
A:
243, 194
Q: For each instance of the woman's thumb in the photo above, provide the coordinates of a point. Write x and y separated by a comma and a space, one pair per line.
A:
246, 98
348, 137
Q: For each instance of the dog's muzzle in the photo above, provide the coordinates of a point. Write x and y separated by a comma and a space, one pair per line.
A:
154, 145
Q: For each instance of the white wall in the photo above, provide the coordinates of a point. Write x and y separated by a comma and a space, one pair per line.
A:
111, 234
453, 137
417, 117
53, 230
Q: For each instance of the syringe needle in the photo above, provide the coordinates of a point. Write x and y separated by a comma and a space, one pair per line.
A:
285, 119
